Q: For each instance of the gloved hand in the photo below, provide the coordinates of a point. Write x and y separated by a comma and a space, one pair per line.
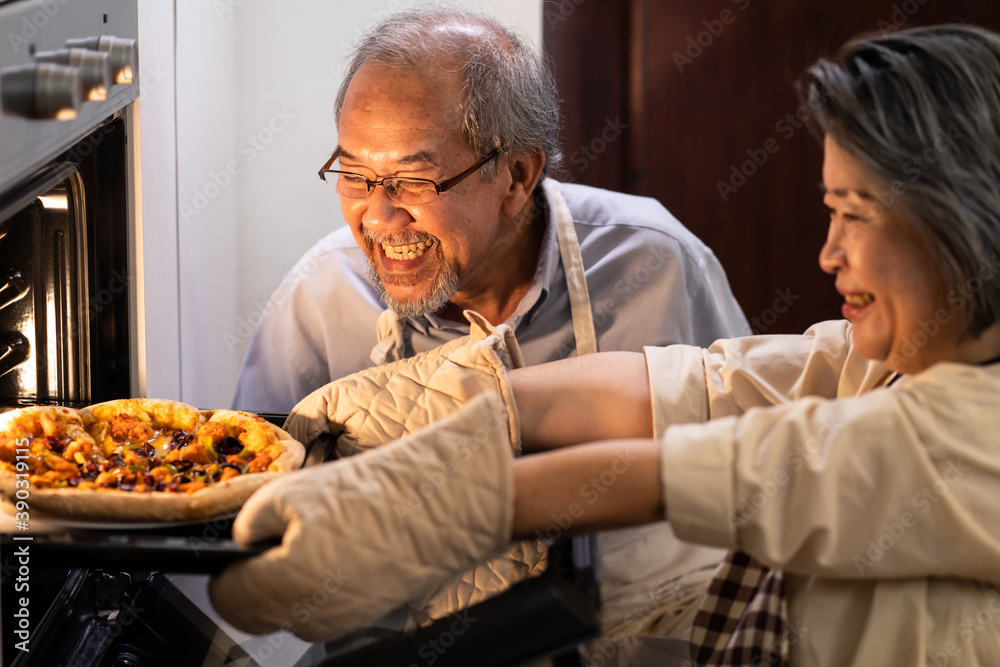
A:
362, 535
387, 402
384, 403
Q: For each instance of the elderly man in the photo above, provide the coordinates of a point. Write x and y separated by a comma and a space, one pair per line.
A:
447, 133
427, 97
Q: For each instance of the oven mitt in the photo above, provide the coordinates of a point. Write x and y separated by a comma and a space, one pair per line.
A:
384, 403
348, 554
380, 404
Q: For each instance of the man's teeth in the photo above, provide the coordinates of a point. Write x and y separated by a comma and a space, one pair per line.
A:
406, 251
859, 300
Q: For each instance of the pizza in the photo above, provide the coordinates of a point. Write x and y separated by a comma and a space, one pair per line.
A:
139, 459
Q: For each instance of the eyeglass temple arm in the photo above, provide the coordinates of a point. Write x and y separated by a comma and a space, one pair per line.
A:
441, 187
326, 166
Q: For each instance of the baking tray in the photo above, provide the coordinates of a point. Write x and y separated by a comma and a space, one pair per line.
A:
202, 547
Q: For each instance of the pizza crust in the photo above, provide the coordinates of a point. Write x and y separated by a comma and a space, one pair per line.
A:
218, 499
158, 408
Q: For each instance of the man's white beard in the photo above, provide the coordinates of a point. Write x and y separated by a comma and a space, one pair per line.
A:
445, 285
442, 291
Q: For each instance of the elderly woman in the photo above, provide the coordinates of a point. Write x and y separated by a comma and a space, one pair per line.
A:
854, 471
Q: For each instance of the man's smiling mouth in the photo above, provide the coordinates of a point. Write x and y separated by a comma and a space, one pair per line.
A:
406, 251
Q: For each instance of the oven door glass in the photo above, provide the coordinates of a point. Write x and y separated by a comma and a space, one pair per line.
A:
65, 278
44, 319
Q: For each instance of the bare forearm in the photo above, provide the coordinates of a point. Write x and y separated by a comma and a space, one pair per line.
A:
583, 489
583, 399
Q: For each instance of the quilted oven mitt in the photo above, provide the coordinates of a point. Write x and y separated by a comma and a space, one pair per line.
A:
381, 404
375, 406
348, 555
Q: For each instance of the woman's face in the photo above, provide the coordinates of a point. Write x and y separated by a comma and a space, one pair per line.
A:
893, 293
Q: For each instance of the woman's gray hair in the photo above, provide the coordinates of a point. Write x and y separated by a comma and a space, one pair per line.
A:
510, 99
921, 109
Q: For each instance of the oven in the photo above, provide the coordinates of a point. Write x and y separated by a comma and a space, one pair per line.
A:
71, 318
68, 218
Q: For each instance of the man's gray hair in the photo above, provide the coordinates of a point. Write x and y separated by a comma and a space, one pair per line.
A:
510, 99
921, 109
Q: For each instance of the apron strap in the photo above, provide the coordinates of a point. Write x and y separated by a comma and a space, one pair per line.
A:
391, 344
391, 327
576, 282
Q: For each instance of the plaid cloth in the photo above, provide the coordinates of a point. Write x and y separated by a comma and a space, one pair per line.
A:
741, 620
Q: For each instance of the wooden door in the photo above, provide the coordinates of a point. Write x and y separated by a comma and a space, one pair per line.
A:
693, 102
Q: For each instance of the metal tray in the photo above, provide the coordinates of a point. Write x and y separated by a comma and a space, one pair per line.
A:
197, 547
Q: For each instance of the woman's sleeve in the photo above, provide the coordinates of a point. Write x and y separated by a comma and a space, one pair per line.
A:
887, 485
689, 384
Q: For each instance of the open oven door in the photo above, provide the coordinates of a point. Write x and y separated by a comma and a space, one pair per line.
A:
102, 613
543, 617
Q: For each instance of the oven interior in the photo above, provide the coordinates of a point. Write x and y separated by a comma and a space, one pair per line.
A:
64, 302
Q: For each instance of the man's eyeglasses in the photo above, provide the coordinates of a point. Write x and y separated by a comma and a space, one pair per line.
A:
406, 191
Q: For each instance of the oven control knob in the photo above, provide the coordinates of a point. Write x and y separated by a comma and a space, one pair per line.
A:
41, 90
94, 66
123, 54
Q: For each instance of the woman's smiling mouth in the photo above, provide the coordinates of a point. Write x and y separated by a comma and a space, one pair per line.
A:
855, 304
859, 300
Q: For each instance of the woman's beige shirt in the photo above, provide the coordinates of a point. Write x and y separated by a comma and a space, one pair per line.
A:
881, 504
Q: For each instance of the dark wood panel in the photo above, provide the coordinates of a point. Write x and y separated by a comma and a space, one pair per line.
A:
592, 75
693, 102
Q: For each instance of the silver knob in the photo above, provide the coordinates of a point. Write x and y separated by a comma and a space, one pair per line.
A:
94, 66
41, 90
123, 54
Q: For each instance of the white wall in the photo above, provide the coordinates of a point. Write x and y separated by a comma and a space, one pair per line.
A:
254, 93
158, 157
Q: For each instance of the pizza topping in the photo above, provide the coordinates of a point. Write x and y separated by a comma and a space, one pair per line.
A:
128, 428
161, 475
194, 452
133, 459
56, 445
77, 450
179, 439
50, 427
191, 487
229, 471
114, 461
230, 446
259, 463
107, 478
